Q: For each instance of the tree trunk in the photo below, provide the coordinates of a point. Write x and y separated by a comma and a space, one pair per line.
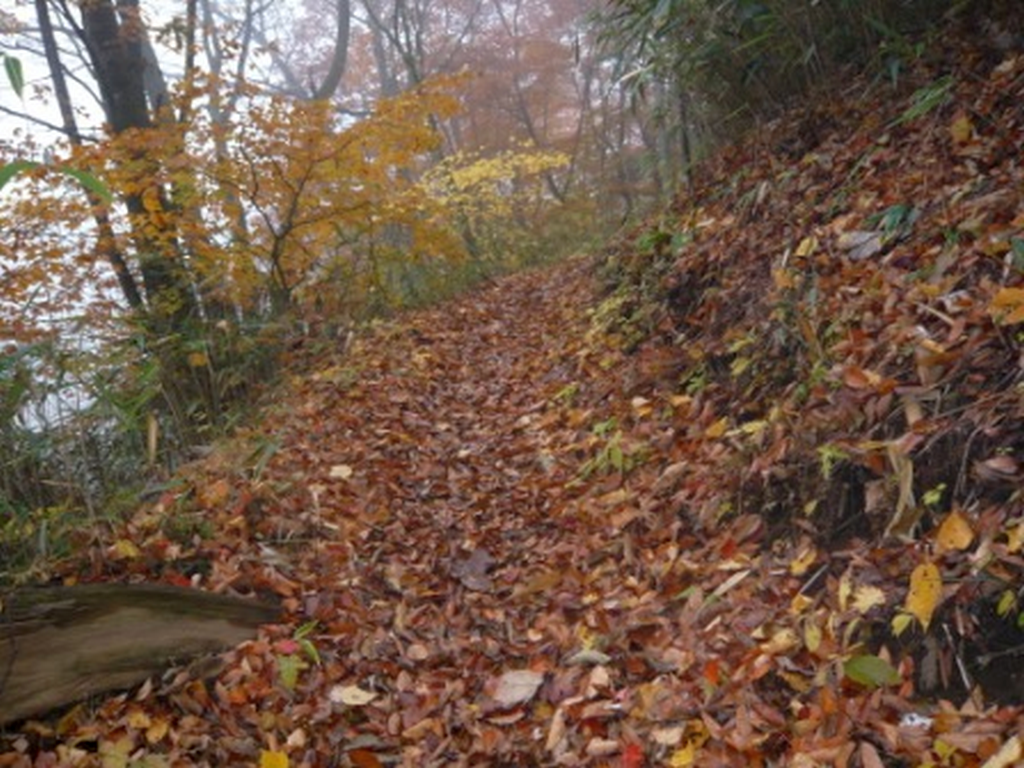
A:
62, 644
115, 40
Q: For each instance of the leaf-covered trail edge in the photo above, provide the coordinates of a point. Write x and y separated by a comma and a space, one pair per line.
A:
457, 591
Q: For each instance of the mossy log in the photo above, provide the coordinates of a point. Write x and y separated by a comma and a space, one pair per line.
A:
61, 644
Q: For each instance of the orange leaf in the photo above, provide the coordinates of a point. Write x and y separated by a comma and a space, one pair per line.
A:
1007, 306
364, 758
955, 532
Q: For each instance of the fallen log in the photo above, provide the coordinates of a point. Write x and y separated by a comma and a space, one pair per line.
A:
62, 644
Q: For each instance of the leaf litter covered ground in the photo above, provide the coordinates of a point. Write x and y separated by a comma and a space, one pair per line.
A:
762, 510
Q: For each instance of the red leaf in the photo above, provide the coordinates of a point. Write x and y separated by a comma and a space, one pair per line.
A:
633, 756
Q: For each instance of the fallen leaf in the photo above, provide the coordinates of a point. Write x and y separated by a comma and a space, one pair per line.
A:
798, 566
925, 593
871, 671
869, 757
670, 736
1007, 306
588, 656
955, 532
602, 747
717, 429
351, 695
270, 759
517, 687
683, 757
473, 571
363, 758
961, 129
860, 245
341, 472
867, 597
123, 549
1009, 754
556, 732
633, 756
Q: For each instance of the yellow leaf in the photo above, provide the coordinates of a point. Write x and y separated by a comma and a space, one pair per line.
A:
812, 636
683, 757
784, 279
845, 590
925, 593
138, 719
961, 129
807, 246
1007, 306
865, 598
780, 643
900, 622
273, 759
955, 532
157, 731
800, 604
197, 360
1007, 602
125, 550
717, 429
1015, 539
681, 401
799, 565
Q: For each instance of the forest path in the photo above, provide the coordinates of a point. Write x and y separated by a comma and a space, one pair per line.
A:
423, 522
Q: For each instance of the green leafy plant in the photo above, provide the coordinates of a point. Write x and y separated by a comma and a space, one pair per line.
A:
296, 654
611, 454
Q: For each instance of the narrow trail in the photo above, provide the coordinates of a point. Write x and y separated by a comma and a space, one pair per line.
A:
423, 524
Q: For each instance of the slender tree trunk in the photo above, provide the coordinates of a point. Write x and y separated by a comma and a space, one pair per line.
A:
107, 242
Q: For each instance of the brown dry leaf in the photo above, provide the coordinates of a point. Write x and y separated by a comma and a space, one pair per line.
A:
869, 757
1010, 754
556, 732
